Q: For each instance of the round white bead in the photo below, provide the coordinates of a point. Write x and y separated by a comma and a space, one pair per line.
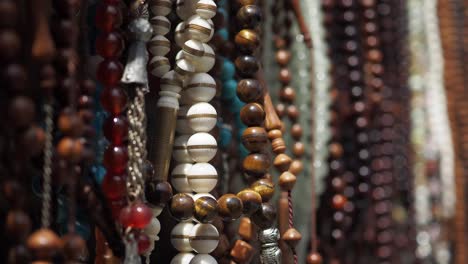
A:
202, 177
184, 9
179, 177
207, 61
159, 66
161, 7
206, 8
153, 229
182, 258
203, 259
159, 45
202, 147
161, 25
182, 125
199, 195
171, 82
202, 117
156, 210
201, 87
199, 28
184, 68
204, 238
193, 50
180, 152
180, 236
180, 35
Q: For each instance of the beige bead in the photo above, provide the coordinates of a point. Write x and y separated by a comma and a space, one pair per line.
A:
182, 258
204, 238
160, 7
199, 28
180, 35
202, 117
159, 66
170, 82
180, 236
202, 177
180, 151
179, 177
159, 45
202, 147
193, 50
200, 87
161, 25
184, 68
182, 125
206, 9
203, 259
206, 63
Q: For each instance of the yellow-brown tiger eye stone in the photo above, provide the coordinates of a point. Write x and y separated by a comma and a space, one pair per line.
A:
206, 209
265, 188
255, 139
247, 40
230, 207
256, 164
251, 200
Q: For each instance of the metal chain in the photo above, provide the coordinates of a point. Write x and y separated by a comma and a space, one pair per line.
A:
47, 170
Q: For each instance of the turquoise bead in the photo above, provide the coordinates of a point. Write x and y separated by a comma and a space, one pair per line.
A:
99, 172
223, 33
222, 10
225, 136
229, 70
228, 92
236, 105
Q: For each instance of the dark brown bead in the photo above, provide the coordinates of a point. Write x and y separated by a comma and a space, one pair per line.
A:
148, 170
181, 206
88, 87
70, 123
87, 116
247, 40
293, 112
282, 162
247, 2
249, 16
206, 209
251, 200
44, 244
15, 77
21, 111
287, 94
252, 114
283, 57
74, 247
265, 188
291, 237
86, 101
32, 140
19, 254
280, 110
158, 193
256, 164
287, 180
8, 13
230, 207
249, 90
242, 252
17, 225
265, 216
246, 65
296, 131
255, 139
222, 248
298, 149
314, 258
338, 201
10, 45
284, 76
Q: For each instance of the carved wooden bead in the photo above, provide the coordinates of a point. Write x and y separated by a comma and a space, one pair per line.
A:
202, 147
180, 236
252, 114
204, 238
282, 162
314, 258
251, 200
180, 151
265, 188
265, 216
230, 207
291, 237
246, 229
247, 40
249, 90
200, 87
182, 258
287, 181
246, 65
242, 252
283, 57
161, 25
255, 139
202, 177
296, 131
203, 259
159, 45
181, 206
298, 149
44, 244
17, 225
179, 178
199, 28
206, 9
256, 164
202, 117
206, 209
159, 66
161, 7
207, 61
277, 141
249, 16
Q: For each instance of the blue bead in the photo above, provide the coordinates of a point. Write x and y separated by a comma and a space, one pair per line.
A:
222, 10
99, 172
225, 135
236, 105
223, 33
229, 70
229, 91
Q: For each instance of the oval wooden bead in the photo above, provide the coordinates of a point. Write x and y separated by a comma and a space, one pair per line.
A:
256, 164
249, 90
255, 139
199, 29
230, 207
246, 65
21, 111
296, 131
247, 40
182, 125
251, 200
202, 177
287, 180
44, 244
161, 25
160, 7
202, 147
204, 238
291, 237
207, 61
249, 16
159, 45
180, 236
159, 66
265, 188
298, 149
182, 258
265, 216
252, 114
293, 112
206, 209
180, 151
206, 9
338, 201
282, 162
283, 57
202, 117
296, 167
181, 206
179, 178
203, 259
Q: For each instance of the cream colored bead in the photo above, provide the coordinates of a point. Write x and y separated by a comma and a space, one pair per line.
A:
159, 45
180, 35
199, 29
207, 61
202, 177
161, 25
206, 9
160, 7
179, 177
201, 87
180, 152
171, 82
156, 210
202, 117
180, 236
193, 50
153, 229
204, 238
202, 147
183, 9
159, 66
182, 258
203, 259
184, 68
182, 125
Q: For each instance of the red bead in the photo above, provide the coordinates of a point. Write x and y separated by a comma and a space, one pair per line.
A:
114, 100
114, 186
109, 72
116, 129
137, 215
110, 45
115, 159
143, 243
108, 17
117, 206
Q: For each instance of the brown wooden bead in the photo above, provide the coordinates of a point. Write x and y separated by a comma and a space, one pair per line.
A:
256, 164
8, 13
265, 188
246, 229
246, 65
230, 207
69, 149
249, 16
296, 167
291, 237
44, 244
249, 90
242, 252
265, 216
252, 114
18, 225
287, 180
10, 44
247, 2
255, 139
21, 111
70, 123
287, 94
314, 258
247, 40
338, 184
251, 200
181, 206
32, 140
218, 223
298, 149
280, 110
293, 112
277, 142
74, 247
206, 209
282, 162
338, 201
296, 131
284, 76
283, 57
336, 150
15, 77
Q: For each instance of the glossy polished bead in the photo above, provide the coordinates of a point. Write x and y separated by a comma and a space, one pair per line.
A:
179, 178
291, 237
69, 149
296, 131
109, 45
249, 90
256, 164
296, 167
143, 242
114, 100
17, 225
180, 152
108, 17
252, 114
180, 236
202, 177
182, 258
338, 201
159, 45
116, 129
251, 200
206, 209
158, 193
159, 66
184, 68
282, 162
287, 181
74, 247
160, 7
287, 94
246, 65
265, 188
136, 215
247, 40
181, 206
202, 147
204, 238
265, 216
44, 244
161, 25
70, 123
202, 117
242, 252
201, 87
293, 112
298, 149
207, 61
314, 258
21, 111
114, 186
193, 50
203, 259
230, 207
109, 72
115, 159
249, 16
283, 57
255, 139
199, 28
206, 9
